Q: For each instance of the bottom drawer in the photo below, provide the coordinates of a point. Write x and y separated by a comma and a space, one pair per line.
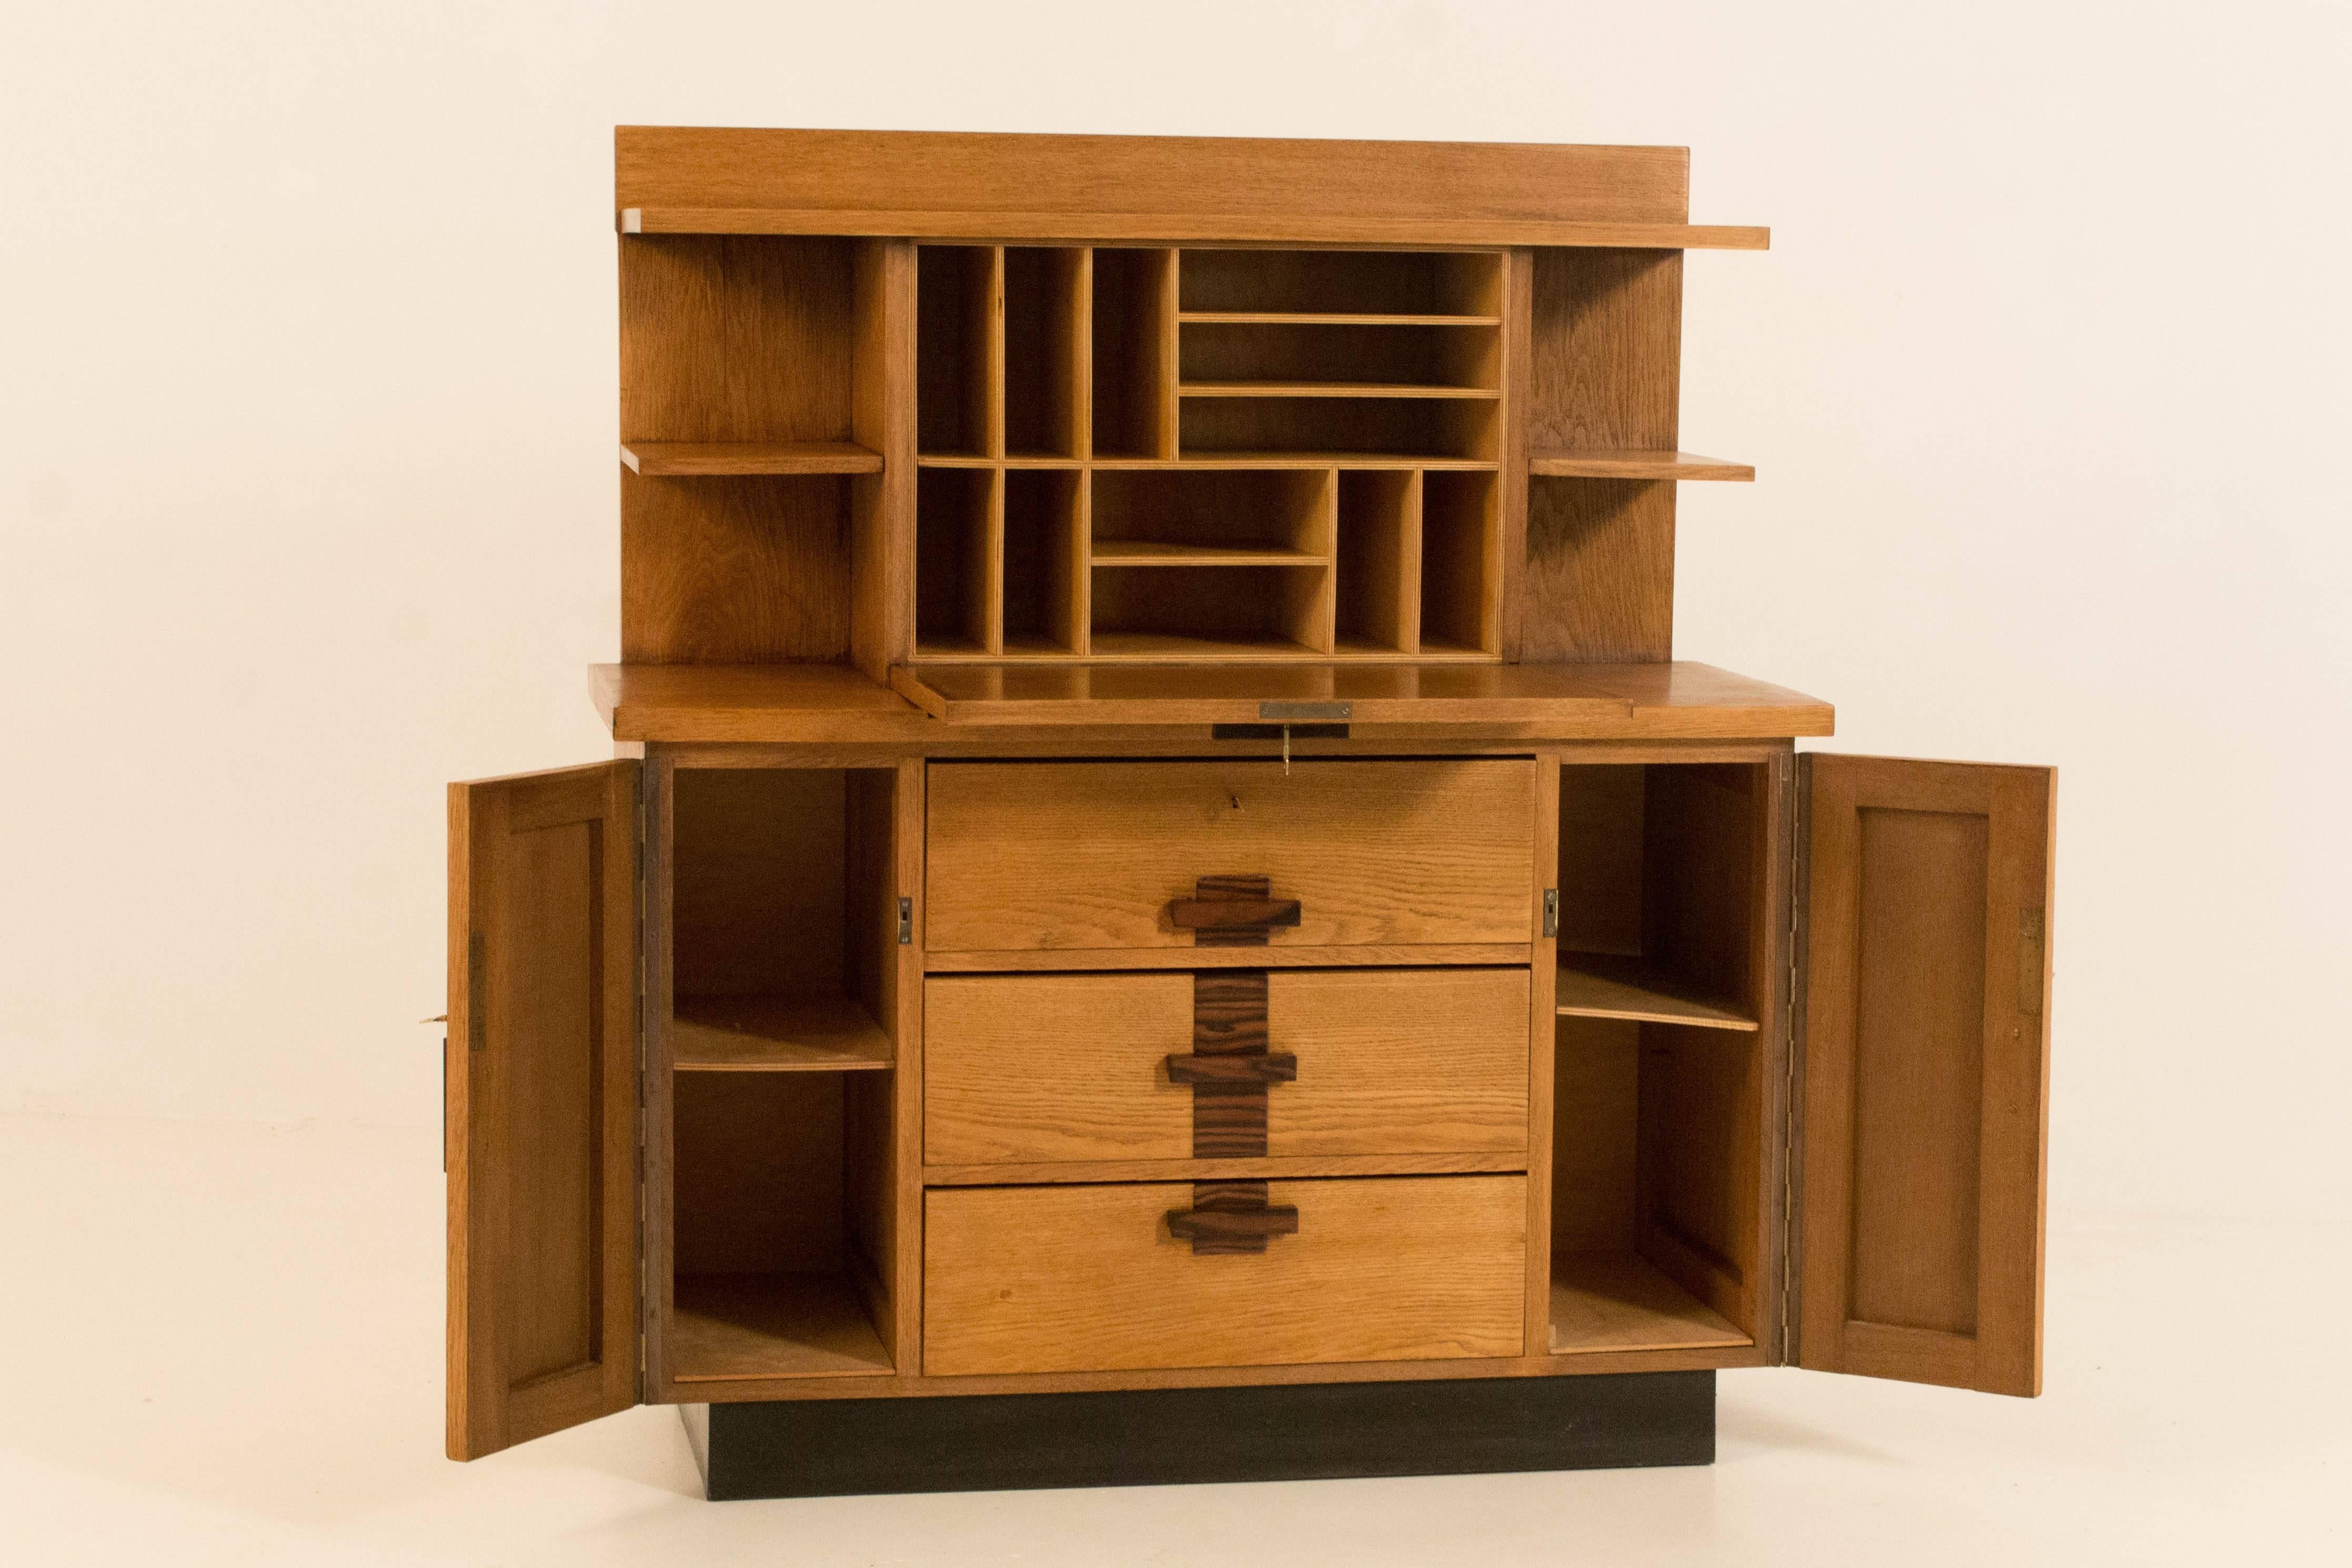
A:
1091, 1279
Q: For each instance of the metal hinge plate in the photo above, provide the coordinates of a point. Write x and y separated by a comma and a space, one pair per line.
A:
905, 921
1551, 912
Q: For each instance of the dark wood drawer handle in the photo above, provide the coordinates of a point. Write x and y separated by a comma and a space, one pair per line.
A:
1226, 914
1216, 1230
1257, 1067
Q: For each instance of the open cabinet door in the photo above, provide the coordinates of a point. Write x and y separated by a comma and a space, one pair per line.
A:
1926, 1054
541, 1118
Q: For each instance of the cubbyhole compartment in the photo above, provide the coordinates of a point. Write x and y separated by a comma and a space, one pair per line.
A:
1046, 318
1432, 358
960, 351
1656, 1197
959, 562
1342, 282
1211, 612
1377, 589
1312, 428
1045, 569
1461, 563
1133, 385
774, 1244
1240, 517
782, 989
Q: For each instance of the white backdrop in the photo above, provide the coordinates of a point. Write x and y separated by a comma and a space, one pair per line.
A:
307, 470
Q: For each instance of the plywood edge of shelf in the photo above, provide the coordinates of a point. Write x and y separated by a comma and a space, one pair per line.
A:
1595, 986
1594, 464
1112, 227
734, 1327
1330, 319
1149, 552
705, 459
775, 1034
1621, 1301
1398, 390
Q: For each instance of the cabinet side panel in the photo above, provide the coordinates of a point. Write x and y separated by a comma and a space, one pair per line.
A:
882, 417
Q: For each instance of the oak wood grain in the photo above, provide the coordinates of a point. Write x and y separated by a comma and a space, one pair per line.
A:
671, 459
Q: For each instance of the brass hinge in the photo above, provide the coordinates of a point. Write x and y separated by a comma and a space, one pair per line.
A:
1551, 912
905, 921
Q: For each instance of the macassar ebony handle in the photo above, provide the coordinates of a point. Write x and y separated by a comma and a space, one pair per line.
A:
1258, 1067
1232, 913
1212, 1230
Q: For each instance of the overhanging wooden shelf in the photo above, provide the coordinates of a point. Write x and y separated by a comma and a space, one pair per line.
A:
1621, 1301
775, 1034
1599, 985
1147, 552
726, 1327
1328, 389
982, 226
684, 460
1582, 464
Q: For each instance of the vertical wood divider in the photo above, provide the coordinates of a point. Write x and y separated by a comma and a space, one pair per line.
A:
1408, 566
1518, 293
991, 359
906, 1146
882, 417
1773, 956
1171, 291
1542, 1049
655, 1180
1082, 571
988, 580
1082, 353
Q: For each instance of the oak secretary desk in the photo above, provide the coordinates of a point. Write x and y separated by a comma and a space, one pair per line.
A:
1163, 910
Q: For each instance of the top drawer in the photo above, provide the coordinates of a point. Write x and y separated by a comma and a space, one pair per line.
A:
1066, 857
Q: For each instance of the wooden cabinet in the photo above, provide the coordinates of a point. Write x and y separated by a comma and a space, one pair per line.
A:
1159, 842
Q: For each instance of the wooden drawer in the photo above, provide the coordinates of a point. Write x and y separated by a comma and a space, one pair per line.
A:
1090, 856
1090, 1279
1032, 1068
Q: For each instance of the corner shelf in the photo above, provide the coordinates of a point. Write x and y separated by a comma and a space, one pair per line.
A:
718, 460
775, 1034
727, 1327
1621, 1301
1579, 464
1596, 985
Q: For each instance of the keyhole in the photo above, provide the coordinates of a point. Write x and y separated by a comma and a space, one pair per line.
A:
1237, 803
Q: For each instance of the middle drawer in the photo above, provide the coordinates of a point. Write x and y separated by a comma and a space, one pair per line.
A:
1039, 1069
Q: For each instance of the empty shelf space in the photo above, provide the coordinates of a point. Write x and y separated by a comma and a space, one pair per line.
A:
1181, 649
1581, 464
1281, 460
1332, 319
682, 459
726, 1327
1328, 389
1621, 1301
1599, 985
1142, 553
774, 1034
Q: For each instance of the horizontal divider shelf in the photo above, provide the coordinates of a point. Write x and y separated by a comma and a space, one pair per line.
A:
775, 1034
1598, 985
1143, 552
1632, 465
1273, 460
1275, 1168
685, 459
1332, 319
1328, 389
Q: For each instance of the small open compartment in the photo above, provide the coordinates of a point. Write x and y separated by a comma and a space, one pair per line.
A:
783, 948
1377, 587
1044, 572
959, 348
1354, 354
1211, 612
1461, 576
1132, 391
1046, 317
1658, 1077
958, 561
1414, 283
1165, 517
1315, 422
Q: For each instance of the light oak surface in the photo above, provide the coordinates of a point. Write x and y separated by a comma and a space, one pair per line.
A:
706, 458
1076, 856
1412, 1268
1616, 1301
771, 1033
1603, 985
727, 1327
1038, 1069
1555, 462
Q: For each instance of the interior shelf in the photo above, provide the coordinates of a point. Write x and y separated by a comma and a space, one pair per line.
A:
681, 459
1578, 464
1328, 389
1332, 319
1181, 649
1145, 553
774, 1034
1603, 985
1620, 1301
725, 1327
1303, 459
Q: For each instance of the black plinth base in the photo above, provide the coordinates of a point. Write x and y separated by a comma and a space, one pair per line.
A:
825, 1448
